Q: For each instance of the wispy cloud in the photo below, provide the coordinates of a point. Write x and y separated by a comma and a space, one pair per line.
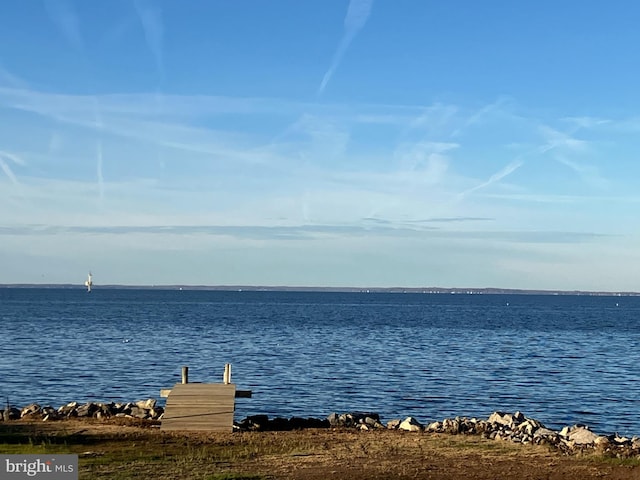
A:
435, 117
456, 219
184, 107
320, 136
357, 15
586, 122
329, 166
8, 78
477, 117
6, 168
99, 158
151, 19
505, 172
496, 177
426, 159
570, 151
64, 16
309, 232
137, 119
293, 232
588, 173
562, 200
555, 139
99, 168
13, 157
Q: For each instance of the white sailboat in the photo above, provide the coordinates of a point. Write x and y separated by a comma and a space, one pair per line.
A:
88, 282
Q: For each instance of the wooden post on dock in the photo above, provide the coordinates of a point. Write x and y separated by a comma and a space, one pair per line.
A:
201, 406
226, 379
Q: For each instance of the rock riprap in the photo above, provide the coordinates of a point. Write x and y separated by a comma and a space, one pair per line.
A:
142, 409
502, 426
513, 427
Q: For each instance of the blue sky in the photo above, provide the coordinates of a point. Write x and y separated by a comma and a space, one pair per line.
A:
364, 143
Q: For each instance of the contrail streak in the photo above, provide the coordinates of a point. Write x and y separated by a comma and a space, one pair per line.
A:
356, 18
64, 16
496, 177
98, 127
7, 170
14, 158
99, 167
152, 25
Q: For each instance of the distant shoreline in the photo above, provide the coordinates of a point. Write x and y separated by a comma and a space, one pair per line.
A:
283, 288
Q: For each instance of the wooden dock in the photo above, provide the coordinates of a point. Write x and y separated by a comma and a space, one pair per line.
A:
201, 406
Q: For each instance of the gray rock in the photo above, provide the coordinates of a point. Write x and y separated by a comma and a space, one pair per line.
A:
529, 426
105, 410
500, 418
147, 404
134, 411
394, 424
602, 442
581, 436
33, 409
434, 427
86, 410
372, 423
354, 419
156, 412
68, 410
451, 425
545, 433
410, 424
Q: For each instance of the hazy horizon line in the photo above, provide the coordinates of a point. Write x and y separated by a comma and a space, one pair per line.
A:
354, 289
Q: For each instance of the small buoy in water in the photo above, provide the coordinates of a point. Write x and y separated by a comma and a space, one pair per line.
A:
126, 340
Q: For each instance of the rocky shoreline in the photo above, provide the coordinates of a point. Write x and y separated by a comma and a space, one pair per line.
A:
499, 426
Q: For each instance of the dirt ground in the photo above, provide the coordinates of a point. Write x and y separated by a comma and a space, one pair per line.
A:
126, 451
400, 455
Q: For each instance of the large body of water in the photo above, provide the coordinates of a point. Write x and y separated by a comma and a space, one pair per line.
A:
560, 359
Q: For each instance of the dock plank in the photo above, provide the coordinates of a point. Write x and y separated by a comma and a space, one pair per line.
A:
200, 406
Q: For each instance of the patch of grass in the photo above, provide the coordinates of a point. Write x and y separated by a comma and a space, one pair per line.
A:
125, 453
20, 444
152, 456
617, 461
27, 449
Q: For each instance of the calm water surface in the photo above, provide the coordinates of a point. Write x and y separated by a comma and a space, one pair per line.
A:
560, 359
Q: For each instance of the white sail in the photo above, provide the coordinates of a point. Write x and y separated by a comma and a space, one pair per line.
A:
88, 282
